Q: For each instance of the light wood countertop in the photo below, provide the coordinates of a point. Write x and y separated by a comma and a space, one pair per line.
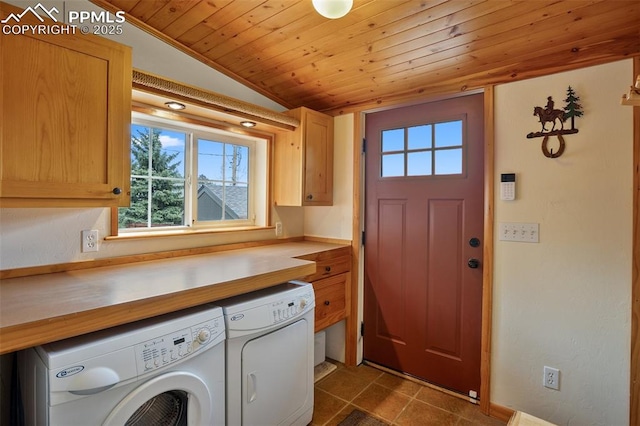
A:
38, 309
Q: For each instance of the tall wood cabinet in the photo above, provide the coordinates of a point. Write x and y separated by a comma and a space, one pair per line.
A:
65, 119
303, 163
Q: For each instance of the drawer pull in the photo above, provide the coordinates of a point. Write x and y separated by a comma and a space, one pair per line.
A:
327, 269
326, 302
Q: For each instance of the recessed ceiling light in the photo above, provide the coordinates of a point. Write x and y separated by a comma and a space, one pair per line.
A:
175, 105
248, 123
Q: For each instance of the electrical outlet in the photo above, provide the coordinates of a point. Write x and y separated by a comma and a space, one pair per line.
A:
89, 240
278, 229
551, 378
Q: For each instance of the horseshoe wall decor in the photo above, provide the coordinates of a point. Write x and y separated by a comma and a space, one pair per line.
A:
557, 119
549, 153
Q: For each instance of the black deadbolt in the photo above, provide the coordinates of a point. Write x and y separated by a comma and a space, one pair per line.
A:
474, 242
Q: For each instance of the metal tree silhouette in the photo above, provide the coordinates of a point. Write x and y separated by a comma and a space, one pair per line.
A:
573, 108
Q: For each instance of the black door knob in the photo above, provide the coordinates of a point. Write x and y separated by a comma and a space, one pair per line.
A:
117, 191
473, 263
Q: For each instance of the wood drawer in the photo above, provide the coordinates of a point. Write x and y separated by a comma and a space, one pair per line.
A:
329, 263
331, 300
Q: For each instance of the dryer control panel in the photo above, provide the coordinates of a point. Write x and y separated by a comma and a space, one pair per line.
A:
288, 308
164, 350
267, 308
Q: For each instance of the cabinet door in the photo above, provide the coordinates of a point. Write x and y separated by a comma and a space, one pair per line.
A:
318, 158
331, 300
66, 108
303, 161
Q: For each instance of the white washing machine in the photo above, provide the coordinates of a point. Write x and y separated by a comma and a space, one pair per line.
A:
270, 354
167, 370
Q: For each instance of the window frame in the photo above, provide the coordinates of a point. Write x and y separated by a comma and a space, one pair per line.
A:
259, 214
432, 149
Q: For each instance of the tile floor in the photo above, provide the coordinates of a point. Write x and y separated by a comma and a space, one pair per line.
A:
391, 399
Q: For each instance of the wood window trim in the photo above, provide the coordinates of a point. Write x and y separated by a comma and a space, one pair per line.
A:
168, 233
634, 405
157, 85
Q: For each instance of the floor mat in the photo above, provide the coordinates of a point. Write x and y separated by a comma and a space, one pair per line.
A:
322, 370
359, 418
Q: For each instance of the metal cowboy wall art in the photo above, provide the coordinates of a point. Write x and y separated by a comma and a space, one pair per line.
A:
557, 118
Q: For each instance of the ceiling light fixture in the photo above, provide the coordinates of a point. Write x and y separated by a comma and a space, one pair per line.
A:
633, 97
248, 123
332, 9
175, 105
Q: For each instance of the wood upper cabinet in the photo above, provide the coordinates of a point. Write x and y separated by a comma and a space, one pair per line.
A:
65, 119
303, 174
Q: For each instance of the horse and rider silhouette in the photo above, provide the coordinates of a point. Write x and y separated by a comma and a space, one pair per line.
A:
548, 114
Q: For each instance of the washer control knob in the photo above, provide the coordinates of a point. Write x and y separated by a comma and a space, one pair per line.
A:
303, 303
203, 335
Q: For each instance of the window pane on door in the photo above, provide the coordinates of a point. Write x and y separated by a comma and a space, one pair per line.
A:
392, 140
449, 161
419, 163
419, 137
392, 165
448, 134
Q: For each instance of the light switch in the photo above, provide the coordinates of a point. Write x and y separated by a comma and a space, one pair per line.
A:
522, 232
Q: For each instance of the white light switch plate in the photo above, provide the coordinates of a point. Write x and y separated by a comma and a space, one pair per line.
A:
522, 232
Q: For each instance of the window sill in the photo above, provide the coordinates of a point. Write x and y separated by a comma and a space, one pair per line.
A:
184, 232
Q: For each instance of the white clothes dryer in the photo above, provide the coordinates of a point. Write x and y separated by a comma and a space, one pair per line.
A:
167, 370
270, 354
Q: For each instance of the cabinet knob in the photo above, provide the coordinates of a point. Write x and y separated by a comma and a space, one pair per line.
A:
310, 197
327, 303
117, 191
327, 269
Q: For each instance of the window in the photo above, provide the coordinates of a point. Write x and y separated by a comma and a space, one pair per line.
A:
193, 176
423, 150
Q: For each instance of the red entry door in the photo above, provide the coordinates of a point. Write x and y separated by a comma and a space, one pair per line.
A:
423, 250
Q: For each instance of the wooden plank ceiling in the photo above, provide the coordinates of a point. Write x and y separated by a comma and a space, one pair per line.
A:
388, 51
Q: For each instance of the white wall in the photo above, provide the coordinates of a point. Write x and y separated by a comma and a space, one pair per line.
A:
565, 302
